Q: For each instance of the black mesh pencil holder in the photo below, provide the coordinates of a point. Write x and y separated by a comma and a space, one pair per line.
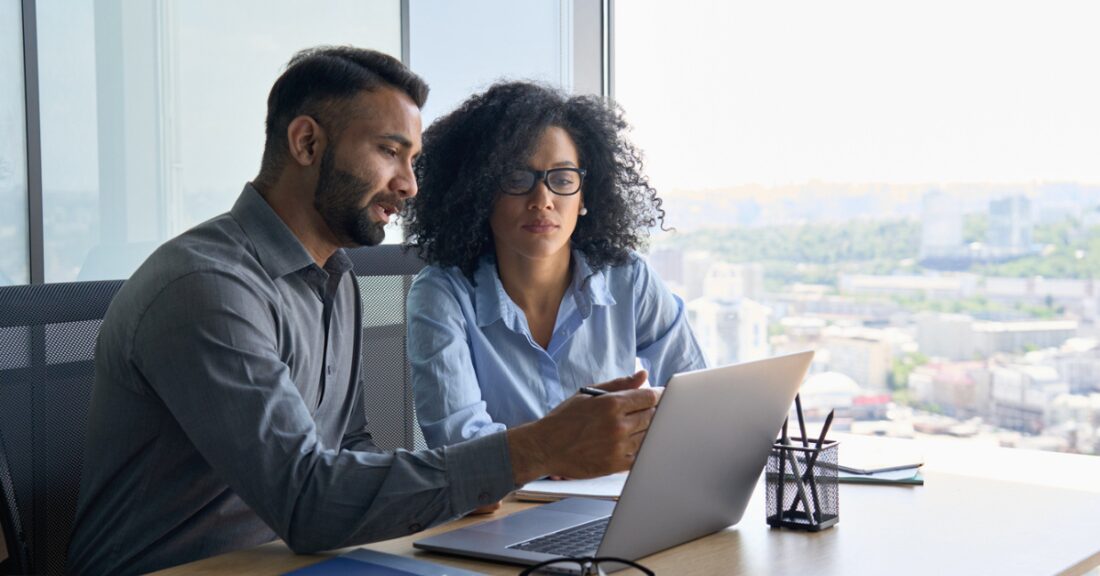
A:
801, 486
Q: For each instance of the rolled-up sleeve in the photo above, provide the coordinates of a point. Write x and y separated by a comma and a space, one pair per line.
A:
208, 347
449, 403
666, 344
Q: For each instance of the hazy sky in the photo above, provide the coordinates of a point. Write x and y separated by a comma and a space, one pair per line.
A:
725, 93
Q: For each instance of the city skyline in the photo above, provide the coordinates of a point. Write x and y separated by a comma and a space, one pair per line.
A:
817, 202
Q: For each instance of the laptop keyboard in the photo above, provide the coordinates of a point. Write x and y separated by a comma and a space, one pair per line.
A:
577, 541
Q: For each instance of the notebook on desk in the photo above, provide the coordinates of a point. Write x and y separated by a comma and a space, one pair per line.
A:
694, 474
603, 488
870, 455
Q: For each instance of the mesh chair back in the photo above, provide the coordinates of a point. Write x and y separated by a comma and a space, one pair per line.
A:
47, 342
385, 274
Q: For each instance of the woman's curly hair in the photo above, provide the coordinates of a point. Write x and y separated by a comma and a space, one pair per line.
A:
467, 152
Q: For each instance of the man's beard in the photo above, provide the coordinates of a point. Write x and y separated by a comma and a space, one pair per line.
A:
337, 199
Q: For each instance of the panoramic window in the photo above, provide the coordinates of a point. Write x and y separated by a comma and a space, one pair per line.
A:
14, 256
911, 190
152, 113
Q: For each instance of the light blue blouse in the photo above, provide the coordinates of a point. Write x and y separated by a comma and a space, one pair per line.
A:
477, 370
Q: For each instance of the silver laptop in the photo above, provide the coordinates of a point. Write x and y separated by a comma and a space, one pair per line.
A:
695, 472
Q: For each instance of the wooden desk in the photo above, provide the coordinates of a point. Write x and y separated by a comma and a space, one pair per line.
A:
957, 523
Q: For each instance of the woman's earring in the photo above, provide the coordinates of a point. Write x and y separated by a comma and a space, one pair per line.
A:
583, 211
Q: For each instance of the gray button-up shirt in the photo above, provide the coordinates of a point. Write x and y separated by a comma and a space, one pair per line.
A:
223, 415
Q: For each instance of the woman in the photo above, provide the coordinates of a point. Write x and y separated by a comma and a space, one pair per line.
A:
530, 206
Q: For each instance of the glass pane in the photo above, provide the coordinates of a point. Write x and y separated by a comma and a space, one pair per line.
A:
14, 254
462, 47
153, 113
497, 39
911, 190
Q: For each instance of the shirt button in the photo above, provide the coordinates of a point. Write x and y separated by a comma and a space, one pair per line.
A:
483, 498
415, 527
329, 369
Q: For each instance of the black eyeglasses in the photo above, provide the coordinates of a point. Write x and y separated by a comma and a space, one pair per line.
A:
589, 565
560, 181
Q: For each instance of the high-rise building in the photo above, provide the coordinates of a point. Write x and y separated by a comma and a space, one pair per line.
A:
696, 265
861, 353
730, 329
668, 263
726, 280
1009, 227
941, 227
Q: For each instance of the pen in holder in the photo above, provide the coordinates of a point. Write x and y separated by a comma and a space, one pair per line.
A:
801, 485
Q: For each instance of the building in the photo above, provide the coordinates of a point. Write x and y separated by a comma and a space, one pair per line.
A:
1077, 417
668, 263
816, 301
1076, 294
941, 227
1023, 394
693, 272
727, 280
827, 391
1078, 361
730, 330
959, 389
960, 337
1010, 227
927, 286
1017, 337
1038, 288
863, 354
804, 328
948, 336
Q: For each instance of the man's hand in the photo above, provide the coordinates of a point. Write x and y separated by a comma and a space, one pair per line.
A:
585, 436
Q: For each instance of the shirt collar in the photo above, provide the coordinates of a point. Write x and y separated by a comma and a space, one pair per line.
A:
338, 263
277, 248
492, 302
589, 288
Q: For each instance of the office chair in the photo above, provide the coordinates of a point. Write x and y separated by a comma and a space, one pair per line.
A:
47, 341
385, 274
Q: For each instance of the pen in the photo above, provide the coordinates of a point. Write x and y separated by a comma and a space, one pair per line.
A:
590, 391
785, 440
798, 484
821, 437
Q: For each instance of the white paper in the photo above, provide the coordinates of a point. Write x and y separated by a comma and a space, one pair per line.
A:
604, 487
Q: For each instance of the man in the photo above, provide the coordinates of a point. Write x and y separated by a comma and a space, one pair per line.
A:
227, 410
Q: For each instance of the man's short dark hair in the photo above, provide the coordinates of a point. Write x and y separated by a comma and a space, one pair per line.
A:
317, 81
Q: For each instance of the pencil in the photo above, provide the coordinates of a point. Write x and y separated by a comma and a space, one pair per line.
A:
799, 485
813, 462
801, 420
785, 440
